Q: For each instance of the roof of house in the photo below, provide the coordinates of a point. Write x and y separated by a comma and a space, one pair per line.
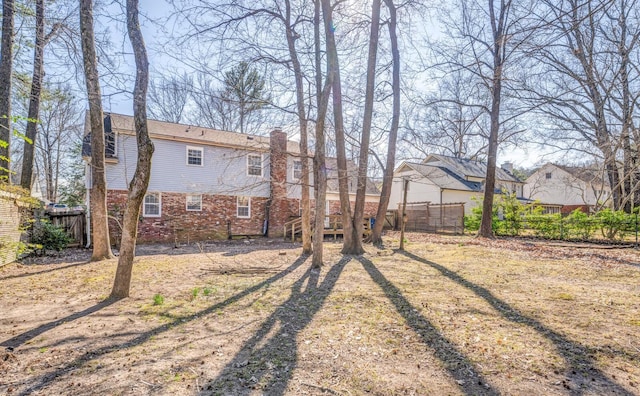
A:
172, 131
467, 168
589, 175
444, 178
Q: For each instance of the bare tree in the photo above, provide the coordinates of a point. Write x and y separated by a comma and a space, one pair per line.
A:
292, 36
376, 237
169, 96
319, 159
352, 224
98, 193
6, 61
34, 99
59, 131
450, 120
140, 181
590, 51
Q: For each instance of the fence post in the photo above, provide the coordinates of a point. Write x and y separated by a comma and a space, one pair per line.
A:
636, 230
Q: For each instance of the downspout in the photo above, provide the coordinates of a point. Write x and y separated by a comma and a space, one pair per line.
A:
88, 209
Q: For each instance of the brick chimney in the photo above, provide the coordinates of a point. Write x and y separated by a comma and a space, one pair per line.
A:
278, 205
507, 166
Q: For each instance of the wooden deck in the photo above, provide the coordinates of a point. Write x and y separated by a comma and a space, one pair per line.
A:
332, 226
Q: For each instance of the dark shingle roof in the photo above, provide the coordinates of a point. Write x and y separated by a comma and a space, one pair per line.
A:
467, 168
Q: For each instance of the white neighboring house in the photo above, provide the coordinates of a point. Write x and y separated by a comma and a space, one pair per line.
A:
568, 186
442, 179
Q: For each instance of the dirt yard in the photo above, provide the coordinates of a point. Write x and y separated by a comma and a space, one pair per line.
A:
450, 316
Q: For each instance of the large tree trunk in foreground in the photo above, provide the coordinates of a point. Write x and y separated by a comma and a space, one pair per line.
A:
98, 193
34, 100
302, 120
6, 59
387, 182
350, 244
319, 160
363, 160
498, 30
140, 181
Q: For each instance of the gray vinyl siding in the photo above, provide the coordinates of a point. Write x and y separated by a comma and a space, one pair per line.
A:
294, 189
224, 170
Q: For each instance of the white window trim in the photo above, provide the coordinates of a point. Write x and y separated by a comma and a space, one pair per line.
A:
201, 149
293, 170
186, 203
115, 144
238, 207
144, 205
261, 165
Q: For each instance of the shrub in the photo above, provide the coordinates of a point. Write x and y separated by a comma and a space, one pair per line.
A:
614, 224
49, 237
579, 225
546, 226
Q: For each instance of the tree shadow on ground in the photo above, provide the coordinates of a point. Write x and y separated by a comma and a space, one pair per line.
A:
58, 268
468, 378
44, 380
20, 339
267, 360
227, 248
581, 370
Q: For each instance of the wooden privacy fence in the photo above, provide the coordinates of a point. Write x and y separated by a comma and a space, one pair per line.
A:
428, 217
73, 223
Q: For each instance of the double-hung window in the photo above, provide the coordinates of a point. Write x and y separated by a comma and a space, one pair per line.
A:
297, 170
195, 156
254, 165
152, 205
244, 207
194, 203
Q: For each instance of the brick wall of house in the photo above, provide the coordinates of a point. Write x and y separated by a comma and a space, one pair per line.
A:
9, 227
176, 223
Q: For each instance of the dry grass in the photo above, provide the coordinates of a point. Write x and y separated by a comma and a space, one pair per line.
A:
453, 315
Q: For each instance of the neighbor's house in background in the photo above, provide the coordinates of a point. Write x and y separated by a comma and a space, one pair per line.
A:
207, 183
568, 187
440, 179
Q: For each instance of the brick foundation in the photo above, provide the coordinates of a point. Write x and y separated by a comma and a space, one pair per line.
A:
178, 224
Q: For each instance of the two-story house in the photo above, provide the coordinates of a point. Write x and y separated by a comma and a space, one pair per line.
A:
441, 179
206, 183
568, 187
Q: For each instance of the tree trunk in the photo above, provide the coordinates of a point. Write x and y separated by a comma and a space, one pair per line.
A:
6, 61
319, 160
302, 120
363, 160
486, 224
387, 181
350, 244
34, 100
140, 181
98, 193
